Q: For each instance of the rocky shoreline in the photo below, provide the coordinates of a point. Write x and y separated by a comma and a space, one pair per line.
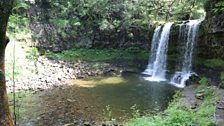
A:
189, 98
52, 73
53, 76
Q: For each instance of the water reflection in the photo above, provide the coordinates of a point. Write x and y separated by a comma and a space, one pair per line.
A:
86, 99
122, 92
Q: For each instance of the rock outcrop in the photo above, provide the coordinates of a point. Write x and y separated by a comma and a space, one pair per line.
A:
211, 43
44, 33
48, 36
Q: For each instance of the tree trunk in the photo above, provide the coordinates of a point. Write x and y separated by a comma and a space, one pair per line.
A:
5, 11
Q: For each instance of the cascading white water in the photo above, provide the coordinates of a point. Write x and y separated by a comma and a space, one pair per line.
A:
158, 66
154, 45
180, 77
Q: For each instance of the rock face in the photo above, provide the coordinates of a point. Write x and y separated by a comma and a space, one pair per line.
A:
215, 20
48, 36
211, 43
45, 33
215, 23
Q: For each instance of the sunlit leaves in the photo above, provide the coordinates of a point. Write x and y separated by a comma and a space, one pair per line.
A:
21, 4
219, 7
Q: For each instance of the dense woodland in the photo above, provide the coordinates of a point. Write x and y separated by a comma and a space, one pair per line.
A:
100, 23
82, 39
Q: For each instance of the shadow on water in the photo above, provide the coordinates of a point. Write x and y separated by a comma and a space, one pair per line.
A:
86, 100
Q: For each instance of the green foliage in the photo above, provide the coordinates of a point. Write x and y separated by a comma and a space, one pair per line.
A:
214, 63
207, 108
207, 5
202, 84
187, 9
203, 81
181, 115
219, 7
33, 54
222, 80
93, 19
60, 24
209, 92
20, 4
98, 65
18, 25
135, 111
108, 113
198, 13
81, 18
99, 55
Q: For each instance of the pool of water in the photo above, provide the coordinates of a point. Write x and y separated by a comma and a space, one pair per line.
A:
87, 99
122, 92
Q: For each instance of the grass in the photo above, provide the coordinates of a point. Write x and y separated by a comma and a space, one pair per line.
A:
203, 83
99, 55
178, 114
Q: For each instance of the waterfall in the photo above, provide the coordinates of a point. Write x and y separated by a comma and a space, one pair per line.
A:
154, 45
159, 57
180, 77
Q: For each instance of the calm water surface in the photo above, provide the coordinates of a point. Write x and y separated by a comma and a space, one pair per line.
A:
88, 98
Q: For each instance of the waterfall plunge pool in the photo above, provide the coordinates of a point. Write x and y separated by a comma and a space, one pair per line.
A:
87, 99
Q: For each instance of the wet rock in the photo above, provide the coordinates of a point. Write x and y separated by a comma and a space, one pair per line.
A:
59, 79
193, 80
75, 122
70, 100
110, 123
69, 124
220, 122
199, 95
86, 123
220, 107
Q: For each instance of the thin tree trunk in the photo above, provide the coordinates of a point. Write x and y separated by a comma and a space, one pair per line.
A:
5, 115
